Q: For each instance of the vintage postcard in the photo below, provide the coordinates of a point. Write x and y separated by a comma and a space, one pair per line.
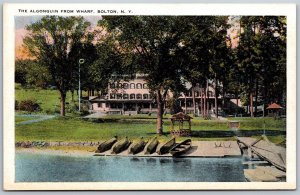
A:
149, 96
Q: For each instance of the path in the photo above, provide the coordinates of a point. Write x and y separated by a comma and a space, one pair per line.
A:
38, 119
96, 115
219, 117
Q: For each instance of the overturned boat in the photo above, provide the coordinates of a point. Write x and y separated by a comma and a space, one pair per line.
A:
181, 148
137, 147
166, 147
106, 145
151, 146
120, 146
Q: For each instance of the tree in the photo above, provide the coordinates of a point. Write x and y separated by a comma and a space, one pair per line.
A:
29, 72
50, 42
110, 61
153, 40
261, 56
205, 53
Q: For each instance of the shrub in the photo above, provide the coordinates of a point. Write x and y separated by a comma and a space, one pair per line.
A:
16, 105
49, 111
29, 105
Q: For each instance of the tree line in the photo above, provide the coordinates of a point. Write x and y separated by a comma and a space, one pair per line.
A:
170, 50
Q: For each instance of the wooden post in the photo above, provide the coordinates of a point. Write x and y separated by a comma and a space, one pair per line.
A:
185, 107
194, 101
216, 97
251, 104
207, 97
201, 102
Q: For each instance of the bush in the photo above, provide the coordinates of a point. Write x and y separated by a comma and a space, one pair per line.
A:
29, 105
16, 105
49, 111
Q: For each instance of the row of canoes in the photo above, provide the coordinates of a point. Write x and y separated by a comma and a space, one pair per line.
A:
147, 147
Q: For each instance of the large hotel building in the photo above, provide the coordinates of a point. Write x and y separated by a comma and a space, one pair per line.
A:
132, 96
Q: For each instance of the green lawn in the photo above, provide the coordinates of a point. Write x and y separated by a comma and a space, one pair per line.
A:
76, 129
48, 99
199, 123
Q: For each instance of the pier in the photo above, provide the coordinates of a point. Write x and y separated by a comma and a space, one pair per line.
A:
269, 152
266, 150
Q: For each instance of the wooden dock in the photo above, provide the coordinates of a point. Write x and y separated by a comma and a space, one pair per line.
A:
199, 149
264, 174
266, 150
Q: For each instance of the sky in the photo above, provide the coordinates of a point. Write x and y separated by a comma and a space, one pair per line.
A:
21, 32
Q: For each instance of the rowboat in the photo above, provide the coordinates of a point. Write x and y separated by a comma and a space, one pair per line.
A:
181, 148
107, 145
166, 147
120, 146
137, 147
151, 146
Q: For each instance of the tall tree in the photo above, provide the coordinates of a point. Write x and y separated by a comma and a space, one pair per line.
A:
154, 41
50, 41
262, 57
205, 52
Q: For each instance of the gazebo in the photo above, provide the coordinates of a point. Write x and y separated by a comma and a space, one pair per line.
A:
181, 124
274, 109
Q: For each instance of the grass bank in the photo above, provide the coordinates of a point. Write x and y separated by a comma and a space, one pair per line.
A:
76, 129
48, 99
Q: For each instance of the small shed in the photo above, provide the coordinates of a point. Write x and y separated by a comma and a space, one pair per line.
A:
181, 124
274, 110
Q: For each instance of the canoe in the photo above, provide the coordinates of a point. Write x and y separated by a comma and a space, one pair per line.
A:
181, 148
120, 146
107, 145
151, 146
137, 147
166, 147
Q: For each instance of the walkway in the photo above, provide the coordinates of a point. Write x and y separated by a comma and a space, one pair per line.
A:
219, 117
36, 118
95, 115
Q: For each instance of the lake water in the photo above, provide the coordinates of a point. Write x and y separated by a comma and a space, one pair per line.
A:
55, 168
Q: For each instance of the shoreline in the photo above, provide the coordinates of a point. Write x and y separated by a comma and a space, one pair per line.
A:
199, 149
60, 152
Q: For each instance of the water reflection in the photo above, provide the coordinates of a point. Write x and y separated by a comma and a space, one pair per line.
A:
165, 160
43, 168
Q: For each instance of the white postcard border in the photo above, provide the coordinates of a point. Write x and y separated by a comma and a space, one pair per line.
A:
11, 10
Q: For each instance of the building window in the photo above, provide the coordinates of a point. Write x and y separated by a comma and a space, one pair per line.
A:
211, 94
139, 86
145, 96
132, 96
99, 105
119, 96
125, 85
145, 86
139, 96
112, 86
125, 96
120, 85
112, 96
197, 94
132, 86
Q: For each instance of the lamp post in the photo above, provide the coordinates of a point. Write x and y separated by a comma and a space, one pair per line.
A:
80, 61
